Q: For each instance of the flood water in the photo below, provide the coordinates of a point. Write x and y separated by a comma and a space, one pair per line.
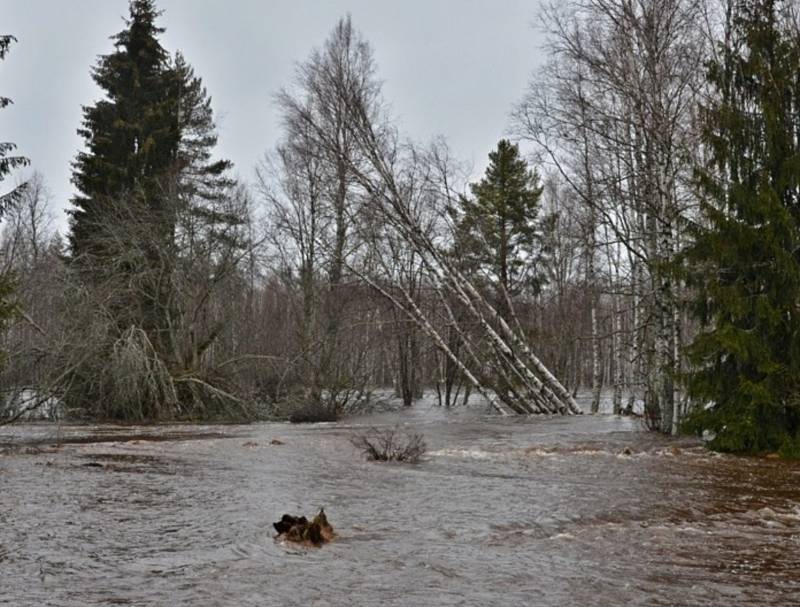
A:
528, 511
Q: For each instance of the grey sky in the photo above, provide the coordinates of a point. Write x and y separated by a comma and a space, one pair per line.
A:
450, 67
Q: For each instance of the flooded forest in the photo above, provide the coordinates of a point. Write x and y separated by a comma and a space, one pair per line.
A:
364, 372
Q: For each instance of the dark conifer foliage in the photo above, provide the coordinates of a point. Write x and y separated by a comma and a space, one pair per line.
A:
132, 136
202, 176
150, 140
8, 162
203, 183
500, 227
8, 199
747, 254
153, 212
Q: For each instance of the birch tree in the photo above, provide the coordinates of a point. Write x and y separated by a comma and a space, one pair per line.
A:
614, 116
377, 168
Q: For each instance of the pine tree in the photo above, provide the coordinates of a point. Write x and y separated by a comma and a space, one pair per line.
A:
499, 225
746, 259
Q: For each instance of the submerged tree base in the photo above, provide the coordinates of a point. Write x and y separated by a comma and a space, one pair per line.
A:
747, 429
299, 530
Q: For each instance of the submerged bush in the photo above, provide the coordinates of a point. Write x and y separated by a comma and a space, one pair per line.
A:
749, 428
390, 445
790, 449
312, 412
308, 406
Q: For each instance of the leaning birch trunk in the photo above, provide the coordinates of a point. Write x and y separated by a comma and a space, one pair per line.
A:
545, 388
341, 79
508, 341
532, 398
411, 309
501, 367
556, 398
536, 396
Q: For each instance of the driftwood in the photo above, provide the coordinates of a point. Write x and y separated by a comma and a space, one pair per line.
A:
300, 530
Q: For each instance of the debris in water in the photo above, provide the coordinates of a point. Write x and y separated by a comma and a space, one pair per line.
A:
299, 530
276, 441
626, 451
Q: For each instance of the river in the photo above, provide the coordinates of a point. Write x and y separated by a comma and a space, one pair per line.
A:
500, 511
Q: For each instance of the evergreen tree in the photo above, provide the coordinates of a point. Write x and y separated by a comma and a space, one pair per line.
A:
746, 259
152, 208
499, 228
132, 136
8, 163
149, 141
10, 198
204, 185
201, 176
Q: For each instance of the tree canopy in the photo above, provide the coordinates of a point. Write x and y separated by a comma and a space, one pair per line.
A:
746, 257
499, 228
8, 162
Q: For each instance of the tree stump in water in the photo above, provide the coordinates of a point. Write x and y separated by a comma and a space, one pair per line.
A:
299, 530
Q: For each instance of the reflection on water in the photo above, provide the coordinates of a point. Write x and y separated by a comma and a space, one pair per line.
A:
538, 511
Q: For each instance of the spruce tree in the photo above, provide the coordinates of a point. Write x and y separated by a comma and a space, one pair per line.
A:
8, 163
201, 176
8, 199
746, 257
149, 191
150, 141
499, 228
132, 136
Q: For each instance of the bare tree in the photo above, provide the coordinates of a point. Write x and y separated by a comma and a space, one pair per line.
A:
378, 168
613, 112
313, 197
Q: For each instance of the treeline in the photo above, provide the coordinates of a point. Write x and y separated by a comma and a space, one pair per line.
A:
672, 126
649, 246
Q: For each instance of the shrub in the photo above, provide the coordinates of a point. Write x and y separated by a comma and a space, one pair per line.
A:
312, 412
390, 445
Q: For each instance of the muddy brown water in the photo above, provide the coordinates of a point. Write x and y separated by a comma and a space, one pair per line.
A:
535, 511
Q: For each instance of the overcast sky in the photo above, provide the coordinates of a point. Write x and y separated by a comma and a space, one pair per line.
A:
450, 67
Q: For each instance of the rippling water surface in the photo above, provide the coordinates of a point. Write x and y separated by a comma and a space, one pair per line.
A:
538, 511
